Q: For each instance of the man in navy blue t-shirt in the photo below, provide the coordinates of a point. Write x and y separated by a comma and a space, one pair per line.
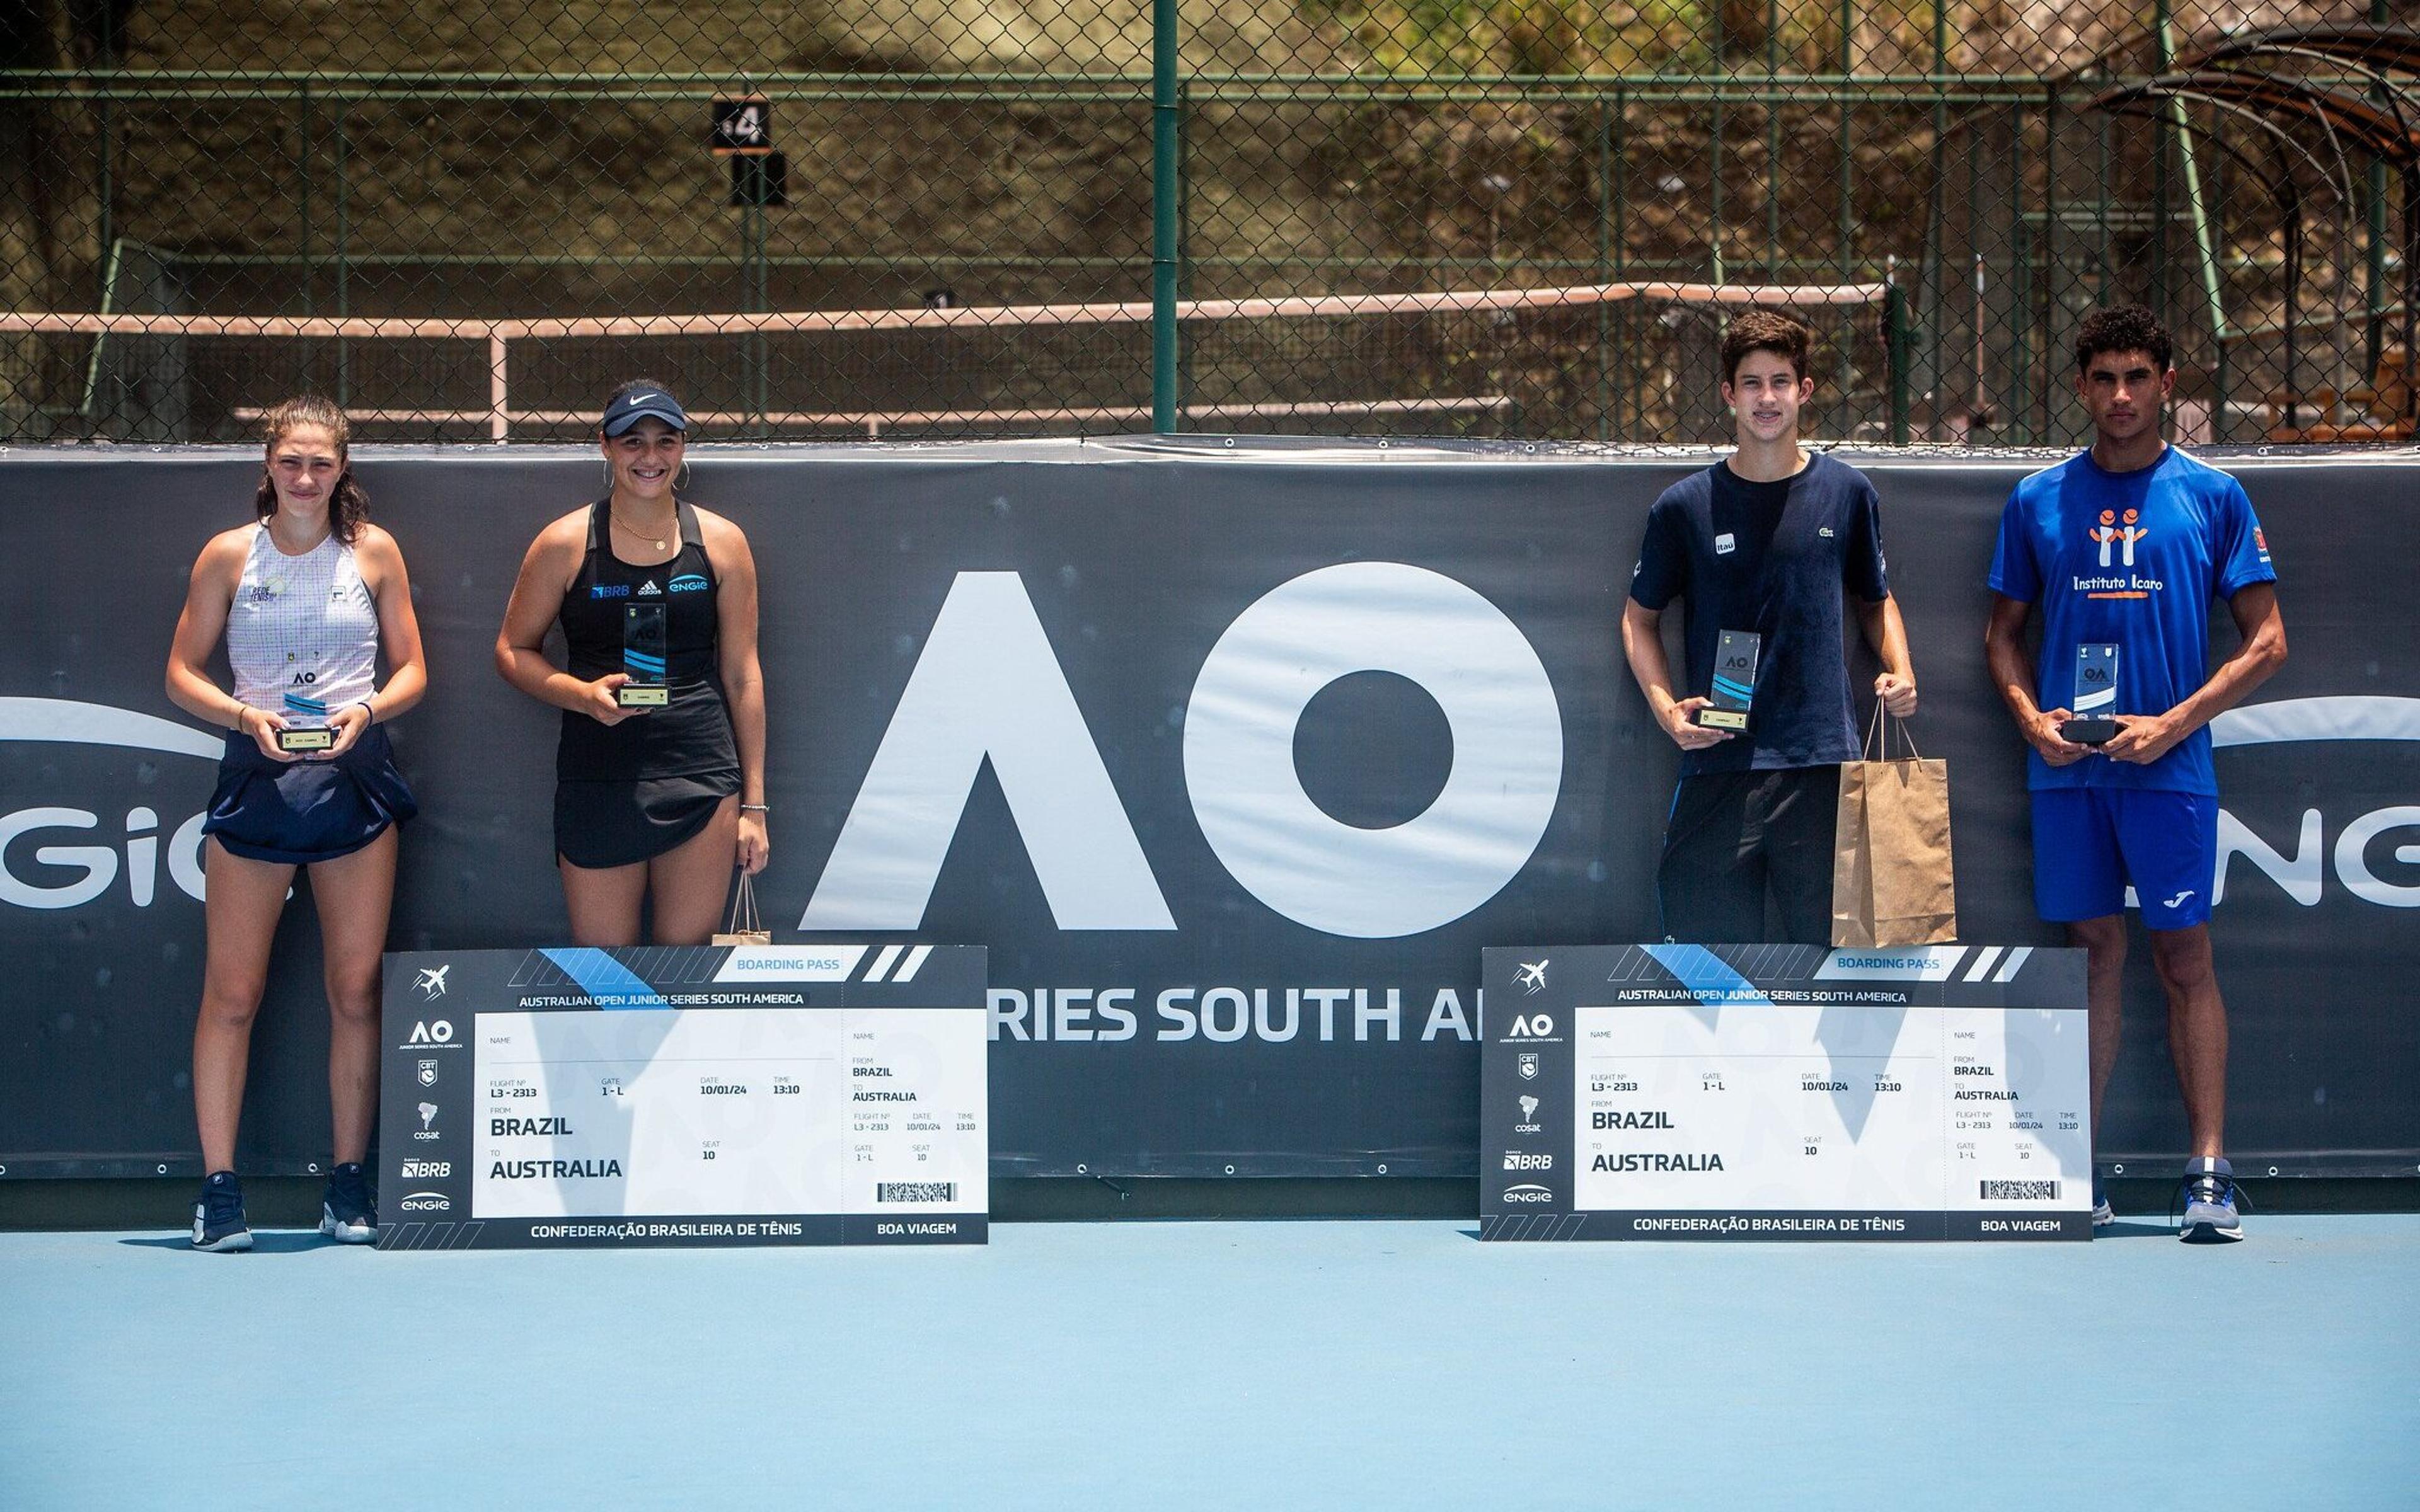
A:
1769, 542
2123, 547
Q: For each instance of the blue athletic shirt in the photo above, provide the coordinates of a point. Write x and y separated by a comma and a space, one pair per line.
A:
1772, 558
2133, 559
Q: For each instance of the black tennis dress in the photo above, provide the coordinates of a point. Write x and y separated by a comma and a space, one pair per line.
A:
628, 792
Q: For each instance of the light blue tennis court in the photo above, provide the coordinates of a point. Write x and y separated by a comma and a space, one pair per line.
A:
1222, 1364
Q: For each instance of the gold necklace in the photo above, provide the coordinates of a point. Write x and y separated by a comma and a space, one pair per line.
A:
658, 543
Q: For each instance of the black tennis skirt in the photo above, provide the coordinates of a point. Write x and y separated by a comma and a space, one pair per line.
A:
599, 824
301, 811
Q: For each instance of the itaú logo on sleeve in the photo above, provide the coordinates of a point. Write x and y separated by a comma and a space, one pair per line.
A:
96, 825
2376, 854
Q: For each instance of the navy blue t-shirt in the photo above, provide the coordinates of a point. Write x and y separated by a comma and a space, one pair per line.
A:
1770, 558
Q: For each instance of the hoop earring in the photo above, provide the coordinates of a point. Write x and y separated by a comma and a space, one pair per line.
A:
681, 479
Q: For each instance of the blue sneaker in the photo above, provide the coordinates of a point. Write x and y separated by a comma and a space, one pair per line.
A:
218, 1218
2103, 1215
2209, 1200
345, 1212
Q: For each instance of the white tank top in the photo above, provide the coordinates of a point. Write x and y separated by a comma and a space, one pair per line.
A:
301, 635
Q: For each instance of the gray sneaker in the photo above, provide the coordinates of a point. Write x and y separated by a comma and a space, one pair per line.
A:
2210, 1197
2103, 1215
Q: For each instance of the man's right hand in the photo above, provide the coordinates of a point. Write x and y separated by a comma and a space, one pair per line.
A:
2041, 731
1680, 723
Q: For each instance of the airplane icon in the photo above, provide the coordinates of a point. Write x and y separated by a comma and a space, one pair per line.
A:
431, 981
1532, 975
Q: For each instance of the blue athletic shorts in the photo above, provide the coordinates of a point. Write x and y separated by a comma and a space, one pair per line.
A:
2091, 843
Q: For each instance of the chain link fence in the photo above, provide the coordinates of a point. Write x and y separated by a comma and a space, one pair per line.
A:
466, 219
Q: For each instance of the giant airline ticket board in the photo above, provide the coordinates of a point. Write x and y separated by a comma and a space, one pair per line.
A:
1784, 1092
695, 1095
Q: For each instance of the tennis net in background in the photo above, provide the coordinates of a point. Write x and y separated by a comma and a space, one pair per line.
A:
1633, 361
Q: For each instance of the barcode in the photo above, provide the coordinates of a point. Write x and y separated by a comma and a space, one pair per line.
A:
915, 1191
2021, 1191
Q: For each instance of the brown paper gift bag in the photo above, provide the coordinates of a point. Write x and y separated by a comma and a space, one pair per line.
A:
1892, 883
743, 927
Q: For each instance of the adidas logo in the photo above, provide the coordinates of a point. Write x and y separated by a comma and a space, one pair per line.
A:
649, 587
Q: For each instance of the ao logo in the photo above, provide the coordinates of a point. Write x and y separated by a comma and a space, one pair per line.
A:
2294, 720
65, 722
1536, 1026
988, 686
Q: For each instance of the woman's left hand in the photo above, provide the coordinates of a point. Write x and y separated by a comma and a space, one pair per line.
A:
755, 848
349, 723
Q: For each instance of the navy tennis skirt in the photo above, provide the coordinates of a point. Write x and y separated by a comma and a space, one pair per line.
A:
306, 810
601, 824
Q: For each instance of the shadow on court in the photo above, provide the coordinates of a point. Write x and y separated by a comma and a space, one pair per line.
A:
263, 1242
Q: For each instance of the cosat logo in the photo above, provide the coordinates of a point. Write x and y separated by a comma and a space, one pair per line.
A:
91, 871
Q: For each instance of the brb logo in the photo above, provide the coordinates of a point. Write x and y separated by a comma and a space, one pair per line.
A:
57, 853
988, 687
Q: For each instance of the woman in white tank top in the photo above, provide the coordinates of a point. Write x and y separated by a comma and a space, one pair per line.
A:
306, 597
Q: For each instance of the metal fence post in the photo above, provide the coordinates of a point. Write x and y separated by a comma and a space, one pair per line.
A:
1166, 122
1895, 319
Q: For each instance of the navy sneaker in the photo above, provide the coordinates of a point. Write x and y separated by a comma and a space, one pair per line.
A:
345, 1212
2103, 1215
218, 1218
2209, 1199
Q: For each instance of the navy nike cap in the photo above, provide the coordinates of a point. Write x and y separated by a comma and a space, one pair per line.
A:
634, 404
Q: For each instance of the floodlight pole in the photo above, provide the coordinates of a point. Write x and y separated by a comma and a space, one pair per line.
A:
1165, 121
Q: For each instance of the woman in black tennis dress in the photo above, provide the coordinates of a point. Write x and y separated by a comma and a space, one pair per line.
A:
661, 798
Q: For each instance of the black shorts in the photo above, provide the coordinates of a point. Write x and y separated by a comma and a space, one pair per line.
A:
301, 811
599, 824
1733, 836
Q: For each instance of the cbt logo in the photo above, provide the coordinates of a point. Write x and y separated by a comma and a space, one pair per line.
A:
61, 853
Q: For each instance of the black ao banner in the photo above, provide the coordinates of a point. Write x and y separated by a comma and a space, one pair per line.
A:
1235, 754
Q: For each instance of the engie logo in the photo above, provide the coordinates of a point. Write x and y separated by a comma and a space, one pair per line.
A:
61, 855
2302, 872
